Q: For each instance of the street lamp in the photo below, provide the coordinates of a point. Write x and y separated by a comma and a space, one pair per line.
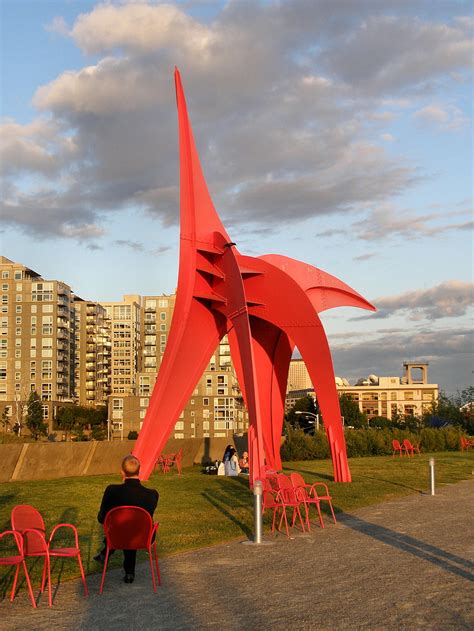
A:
315, 416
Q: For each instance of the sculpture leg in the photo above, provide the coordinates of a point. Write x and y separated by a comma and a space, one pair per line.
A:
321, 372
182, 367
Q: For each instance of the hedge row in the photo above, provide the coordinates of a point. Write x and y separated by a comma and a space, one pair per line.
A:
368, 442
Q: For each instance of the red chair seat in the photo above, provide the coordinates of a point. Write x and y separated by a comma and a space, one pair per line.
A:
63, 552
14, 560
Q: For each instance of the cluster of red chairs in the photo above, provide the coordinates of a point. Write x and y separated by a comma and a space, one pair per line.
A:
466, 442
166, 461
125, 528
29, 536
405, 448
281, 492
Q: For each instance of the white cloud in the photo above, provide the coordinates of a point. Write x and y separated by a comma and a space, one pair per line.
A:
449, 299
279, 96
446, 118
448, 351
140, 27
58, 25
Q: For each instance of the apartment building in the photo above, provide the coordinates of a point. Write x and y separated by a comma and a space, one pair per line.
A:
125, 329
92, 353
37, 341
216, 406
298, 376
409, 395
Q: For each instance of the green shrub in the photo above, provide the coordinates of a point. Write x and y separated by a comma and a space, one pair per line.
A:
368, 442
132, 435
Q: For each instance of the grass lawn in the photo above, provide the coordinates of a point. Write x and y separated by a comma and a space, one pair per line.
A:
197, 510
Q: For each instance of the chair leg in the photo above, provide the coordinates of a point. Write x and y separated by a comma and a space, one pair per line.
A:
28, 582
318, 508
104, 571
79, 560
15, 579
50, 596
152, 571
156, 563
332, 511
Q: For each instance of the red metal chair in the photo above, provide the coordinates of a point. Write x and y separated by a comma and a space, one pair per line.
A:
131, 528
409, 448
397, 447
18, 560
466, 442
292, 498
312, 496
28, 521
273, 500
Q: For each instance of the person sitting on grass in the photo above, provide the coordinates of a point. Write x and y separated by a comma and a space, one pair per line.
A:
244, 463
130, 493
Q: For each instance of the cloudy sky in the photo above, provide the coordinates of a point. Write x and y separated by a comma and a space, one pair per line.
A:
337, 132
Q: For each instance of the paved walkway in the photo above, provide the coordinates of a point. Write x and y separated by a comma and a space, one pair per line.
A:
406, 564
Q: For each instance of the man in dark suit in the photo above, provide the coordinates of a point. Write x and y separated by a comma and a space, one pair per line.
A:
130, 493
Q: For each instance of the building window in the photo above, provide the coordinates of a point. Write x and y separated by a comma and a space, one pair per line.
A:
162, 316
5, 274
18, 309
46, 391
18, 275
45, 411
205, 401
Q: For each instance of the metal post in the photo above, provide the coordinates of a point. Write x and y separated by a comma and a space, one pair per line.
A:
257, 514
432, 476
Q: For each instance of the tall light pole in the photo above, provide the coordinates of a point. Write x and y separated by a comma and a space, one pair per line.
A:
315, 416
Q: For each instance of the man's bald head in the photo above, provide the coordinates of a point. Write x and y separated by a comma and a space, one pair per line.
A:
130, 467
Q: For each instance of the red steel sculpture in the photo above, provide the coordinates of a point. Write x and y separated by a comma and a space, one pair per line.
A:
266, 305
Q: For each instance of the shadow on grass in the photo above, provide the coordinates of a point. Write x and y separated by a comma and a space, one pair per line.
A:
229, 497
400, 484
445, 560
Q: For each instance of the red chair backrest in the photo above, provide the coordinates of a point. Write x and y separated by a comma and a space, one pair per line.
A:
286, 487
396, 444
407, 444
23, 517
128, 528
297, 479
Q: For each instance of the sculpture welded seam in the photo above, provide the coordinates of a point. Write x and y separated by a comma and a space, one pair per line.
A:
221, 291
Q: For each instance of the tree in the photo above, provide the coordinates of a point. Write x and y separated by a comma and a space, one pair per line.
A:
300, 421
5, 420
456, 409
353, 417
34, 417
65, 420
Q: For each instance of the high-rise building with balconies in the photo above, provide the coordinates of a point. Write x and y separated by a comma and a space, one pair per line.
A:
92, 353
37, 341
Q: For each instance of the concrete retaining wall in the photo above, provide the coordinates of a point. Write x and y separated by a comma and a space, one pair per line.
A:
47, 461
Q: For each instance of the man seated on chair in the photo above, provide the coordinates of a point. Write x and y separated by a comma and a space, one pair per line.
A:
130, 493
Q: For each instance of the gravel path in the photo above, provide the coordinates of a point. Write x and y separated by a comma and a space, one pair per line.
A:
405, 564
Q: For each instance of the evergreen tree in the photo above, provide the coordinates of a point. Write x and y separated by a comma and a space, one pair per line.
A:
34, 417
